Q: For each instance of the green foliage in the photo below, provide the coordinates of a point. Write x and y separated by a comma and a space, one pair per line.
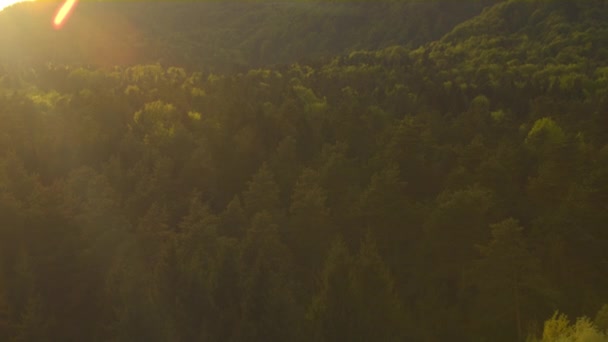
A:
310, 223
545, 135
269, 308
356, 297
174, 177
262, 193
156, 121
379, 307
507, 267
601, 319
332, 311
222, 36
558, 328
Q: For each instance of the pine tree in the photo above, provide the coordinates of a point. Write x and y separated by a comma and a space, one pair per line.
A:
310, 228
507, 267
356, 300
227, 292
153, 232
286, 165
333, 312
185, 277
386, 209
233, 221
380, 313
262, 193
269, 307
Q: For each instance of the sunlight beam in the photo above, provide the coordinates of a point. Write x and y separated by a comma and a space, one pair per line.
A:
63, 13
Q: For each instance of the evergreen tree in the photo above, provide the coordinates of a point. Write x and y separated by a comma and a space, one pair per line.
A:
269, 307
333, 311
508, 267
310, 225
233, 220
262, 193
379, 308
357, 298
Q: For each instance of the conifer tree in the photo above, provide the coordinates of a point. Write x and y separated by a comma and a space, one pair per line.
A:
233, 221
310, 226
507, 267
269, 307
379, 308
333, 312
262, 193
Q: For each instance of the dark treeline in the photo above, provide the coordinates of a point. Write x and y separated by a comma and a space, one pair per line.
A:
455, 191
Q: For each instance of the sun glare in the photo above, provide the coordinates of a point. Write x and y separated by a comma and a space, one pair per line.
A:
63, 13
6, 3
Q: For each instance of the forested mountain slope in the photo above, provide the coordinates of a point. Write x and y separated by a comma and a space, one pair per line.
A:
455, 191
222, 36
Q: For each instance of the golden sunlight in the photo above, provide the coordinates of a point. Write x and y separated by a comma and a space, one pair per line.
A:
6, 3
64, 12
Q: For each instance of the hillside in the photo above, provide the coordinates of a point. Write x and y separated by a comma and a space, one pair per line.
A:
222, 36
452, 191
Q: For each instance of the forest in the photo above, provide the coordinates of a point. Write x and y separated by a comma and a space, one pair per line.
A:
305, 171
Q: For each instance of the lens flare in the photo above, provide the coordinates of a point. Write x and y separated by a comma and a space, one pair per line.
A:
63, 13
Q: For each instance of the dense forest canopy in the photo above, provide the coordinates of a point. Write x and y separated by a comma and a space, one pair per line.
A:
305, 171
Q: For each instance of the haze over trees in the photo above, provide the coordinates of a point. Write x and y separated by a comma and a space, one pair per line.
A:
305, 172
